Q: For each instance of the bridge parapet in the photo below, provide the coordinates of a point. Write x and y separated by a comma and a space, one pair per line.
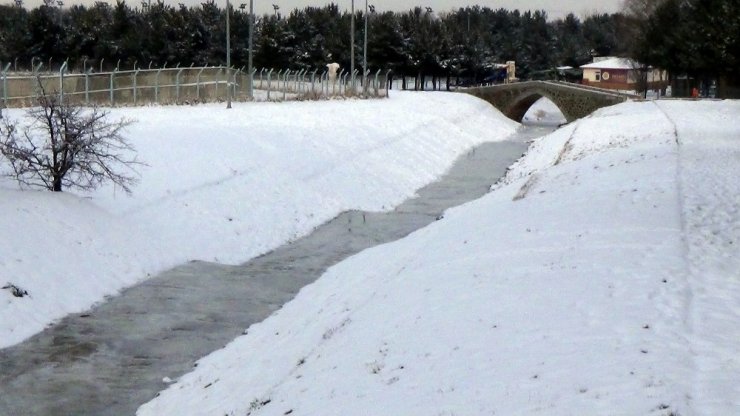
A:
574, 100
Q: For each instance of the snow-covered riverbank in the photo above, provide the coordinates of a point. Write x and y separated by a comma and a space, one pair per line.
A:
224, 186
600, 277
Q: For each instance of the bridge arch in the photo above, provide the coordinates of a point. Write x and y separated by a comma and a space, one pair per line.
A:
574, 100
520, 105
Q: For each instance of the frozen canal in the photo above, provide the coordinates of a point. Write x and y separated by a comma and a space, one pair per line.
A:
113, 358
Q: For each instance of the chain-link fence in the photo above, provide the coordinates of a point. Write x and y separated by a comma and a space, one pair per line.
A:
186, 85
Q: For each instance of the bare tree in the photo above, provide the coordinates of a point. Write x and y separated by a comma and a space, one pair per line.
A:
67, 146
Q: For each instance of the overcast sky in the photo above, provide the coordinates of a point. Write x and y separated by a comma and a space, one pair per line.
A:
554, 8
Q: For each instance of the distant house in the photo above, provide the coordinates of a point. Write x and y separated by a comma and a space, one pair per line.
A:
621, 74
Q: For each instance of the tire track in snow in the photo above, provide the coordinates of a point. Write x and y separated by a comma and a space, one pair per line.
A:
709, 200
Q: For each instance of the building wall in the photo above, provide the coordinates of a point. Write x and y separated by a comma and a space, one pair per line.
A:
589, 74
623, 79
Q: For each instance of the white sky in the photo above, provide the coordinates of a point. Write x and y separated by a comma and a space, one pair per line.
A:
554, 8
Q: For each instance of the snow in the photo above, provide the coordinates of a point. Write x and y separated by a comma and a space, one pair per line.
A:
225, 186
613, 63
599, 277
544, 112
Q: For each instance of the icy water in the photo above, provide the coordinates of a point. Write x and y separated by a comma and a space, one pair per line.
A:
113, 358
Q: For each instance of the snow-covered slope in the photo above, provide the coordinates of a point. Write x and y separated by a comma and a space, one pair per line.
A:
600, 277
224, 185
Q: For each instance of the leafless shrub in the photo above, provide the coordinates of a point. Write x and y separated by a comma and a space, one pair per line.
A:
67, 146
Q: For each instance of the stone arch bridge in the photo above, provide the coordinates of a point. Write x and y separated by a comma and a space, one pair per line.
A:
574, 100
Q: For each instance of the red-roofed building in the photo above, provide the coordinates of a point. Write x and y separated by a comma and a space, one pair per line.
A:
621, 74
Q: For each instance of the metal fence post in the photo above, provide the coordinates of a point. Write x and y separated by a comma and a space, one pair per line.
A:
197, 84
342, 73
136, 74
61, 81
285, 84
251, 83
177, 84
235, 89
5, 89
279, 77
346, 81
87, 86
244, 81
299, 84
269, 82
218, 74
313, 80
156, 86
112, 76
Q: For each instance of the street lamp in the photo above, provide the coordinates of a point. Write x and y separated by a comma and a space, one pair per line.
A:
19, 3
275, 8
228, 56
60, 3
251, 42
364, 46
352, 44
251, 35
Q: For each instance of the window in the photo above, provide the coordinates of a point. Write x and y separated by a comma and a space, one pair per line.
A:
597, 75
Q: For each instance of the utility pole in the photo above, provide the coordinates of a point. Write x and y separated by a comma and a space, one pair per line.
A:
228, 56
364, 49
251, 40
352, 42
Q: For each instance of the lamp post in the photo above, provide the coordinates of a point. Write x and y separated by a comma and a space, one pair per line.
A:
364, 49
251, 35
228, 56
352, 42
251, 43
275, 8
60, 4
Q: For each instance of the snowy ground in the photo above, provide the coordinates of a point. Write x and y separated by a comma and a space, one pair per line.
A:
602, 276
544, 112
224, 186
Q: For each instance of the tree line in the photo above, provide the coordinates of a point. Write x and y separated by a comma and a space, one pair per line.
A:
466, 42
696, 39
